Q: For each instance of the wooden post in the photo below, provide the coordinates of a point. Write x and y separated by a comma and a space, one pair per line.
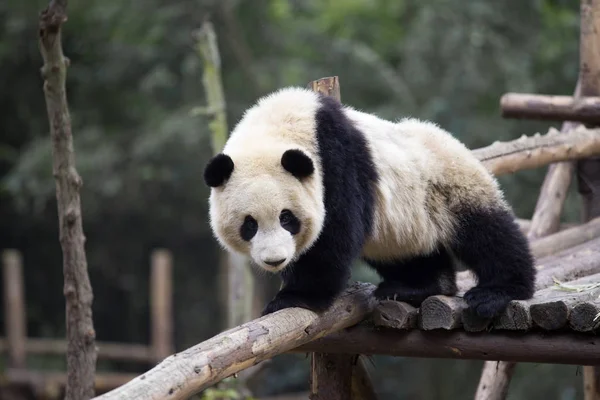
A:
332, 375
588, 170
14, 308
161, 304
591, 385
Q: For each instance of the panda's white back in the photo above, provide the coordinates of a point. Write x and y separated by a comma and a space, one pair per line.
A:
411, 158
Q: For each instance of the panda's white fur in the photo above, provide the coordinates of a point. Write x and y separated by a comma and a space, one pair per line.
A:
431, 195
256, 144
409, 155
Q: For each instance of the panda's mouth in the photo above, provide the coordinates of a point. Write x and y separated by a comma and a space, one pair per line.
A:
273, 268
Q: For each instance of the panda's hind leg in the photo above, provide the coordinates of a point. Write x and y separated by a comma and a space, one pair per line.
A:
413, 280
491, 245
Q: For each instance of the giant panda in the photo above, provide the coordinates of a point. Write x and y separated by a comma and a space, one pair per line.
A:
305, 185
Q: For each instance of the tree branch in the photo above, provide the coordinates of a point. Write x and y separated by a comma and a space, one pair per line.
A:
537, 150
181, 375
544, 107
81, 351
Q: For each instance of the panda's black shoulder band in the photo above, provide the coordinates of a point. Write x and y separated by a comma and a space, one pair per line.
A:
297, 163
218, 170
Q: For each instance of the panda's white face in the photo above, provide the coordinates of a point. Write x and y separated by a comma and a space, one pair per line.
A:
263, 211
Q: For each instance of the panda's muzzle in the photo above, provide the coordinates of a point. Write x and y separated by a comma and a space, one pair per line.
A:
275, 263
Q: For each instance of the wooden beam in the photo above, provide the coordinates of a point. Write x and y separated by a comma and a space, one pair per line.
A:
557, 108
565, 239
331, 376
591, 386
551, 348
525, 225
15, 324
183, 374
538, 150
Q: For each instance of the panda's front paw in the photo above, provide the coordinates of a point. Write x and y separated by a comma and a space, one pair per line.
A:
397, 291
283, 300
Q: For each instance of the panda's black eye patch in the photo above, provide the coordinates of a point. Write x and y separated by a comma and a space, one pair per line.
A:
249, 228
289, 222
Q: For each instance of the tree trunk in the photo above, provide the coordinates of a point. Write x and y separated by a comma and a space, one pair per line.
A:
81, 350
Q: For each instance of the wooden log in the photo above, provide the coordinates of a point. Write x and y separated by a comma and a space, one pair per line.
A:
329, 86
362, 385
591, 385
495, 377
539, 347
14, 308
442, 312
550, 203
395, 314
331, 376
161, 289
525, 225
585, 317
566, 239
556, 108
182, 374
537, 150
81, 352
551, 307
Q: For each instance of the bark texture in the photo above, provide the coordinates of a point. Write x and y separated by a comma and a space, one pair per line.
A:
81, 351
183, 374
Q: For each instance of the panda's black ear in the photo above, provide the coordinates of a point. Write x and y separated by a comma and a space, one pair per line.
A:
297, 163
218, 170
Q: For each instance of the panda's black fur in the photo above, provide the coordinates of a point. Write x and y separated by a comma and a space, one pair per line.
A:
486, 239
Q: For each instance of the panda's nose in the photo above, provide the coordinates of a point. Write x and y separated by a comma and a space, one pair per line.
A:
274, 263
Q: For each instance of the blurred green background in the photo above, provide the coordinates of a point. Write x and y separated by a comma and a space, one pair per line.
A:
134, 78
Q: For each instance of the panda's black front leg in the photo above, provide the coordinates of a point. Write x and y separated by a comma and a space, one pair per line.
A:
311, 283
415, 279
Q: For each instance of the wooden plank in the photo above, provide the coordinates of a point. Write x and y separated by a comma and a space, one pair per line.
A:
14, 308
556, 108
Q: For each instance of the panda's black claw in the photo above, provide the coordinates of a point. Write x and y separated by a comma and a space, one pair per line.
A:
397, 291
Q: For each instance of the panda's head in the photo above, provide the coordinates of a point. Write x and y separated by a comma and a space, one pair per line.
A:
265, 202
